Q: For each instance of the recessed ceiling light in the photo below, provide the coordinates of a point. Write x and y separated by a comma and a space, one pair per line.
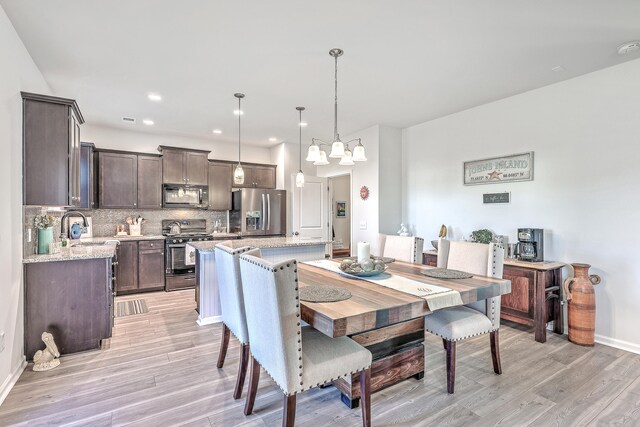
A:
558, 68
217, 131
302, 124
238, 112
628, 47
148, 122
154, 97
273, 139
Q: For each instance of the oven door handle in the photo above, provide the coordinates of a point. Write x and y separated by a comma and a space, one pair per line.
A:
177, 245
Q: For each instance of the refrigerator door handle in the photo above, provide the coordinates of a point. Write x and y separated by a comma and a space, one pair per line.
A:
268, 211
263, 212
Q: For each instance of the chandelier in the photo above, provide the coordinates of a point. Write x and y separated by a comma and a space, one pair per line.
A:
339, 149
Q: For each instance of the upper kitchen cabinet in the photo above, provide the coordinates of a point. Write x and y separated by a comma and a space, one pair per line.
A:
118, 180
129, 180
257, 176
220, 182
184, 166
51, 150
149, 182
87, 181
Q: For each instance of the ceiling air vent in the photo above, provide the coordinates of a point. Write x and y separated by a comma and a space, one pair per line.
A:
129, 120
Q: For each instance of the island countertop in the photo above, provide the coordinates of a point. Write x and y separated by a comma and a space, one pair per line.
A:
262, 243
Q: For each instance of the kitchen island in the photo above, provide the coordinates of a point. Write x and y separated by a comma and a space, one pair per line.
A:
274, 249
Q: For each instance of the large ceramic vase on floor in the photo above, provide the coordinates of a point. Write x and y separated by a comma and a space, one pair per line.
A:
582, 304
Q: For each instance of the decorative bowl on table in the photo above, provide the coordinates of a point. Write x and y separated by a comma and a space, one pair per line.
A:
367, 268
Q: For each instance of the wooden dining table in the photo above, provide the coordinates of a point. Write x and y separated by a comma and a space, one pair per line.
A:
388, 322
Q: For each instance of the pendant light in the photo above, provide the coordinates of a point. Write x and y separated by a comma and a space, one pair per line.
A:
339, 149
238, 173
300, 175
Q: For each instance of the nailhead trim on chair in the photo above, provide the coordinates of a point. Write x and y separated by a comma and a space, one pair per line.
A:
274, 270
416, 256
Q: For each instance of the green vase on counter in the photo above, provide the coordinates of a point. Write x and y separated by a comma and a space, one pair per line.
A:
45, 237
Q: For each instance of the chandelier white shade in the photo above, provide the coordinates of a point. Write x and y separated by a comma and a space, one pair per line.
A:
339, 149
347, 159
322, 160
238, 173
313, 153
358, 153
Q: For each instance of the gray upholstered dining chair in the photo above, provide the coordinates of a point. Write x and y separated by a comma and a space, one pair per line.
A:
232, 305
402, 248
454, 324
297, 358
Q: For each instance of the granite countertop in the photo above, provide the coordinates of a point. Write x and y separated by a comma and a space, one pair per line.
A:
72, 253
544, 265
78, 250
264, 242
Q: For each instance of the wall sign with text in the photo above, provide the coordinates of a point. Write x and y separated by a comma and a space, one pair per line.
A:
516, 167
496, 198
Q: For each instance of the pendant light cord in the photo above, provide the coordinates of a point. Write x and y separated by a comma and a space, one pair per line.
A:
300, 151
335, 105
239, 116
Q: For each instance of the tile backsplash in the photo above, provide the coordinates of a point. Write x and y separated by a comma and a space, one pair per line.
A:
105, 221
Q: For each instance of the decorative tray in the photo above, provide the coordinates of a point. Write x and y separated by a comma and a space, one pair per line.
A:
373, 267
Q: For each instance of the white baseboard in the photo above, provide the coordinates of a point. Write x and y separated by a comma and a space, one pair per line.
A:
8, 384
209, 320
622, 345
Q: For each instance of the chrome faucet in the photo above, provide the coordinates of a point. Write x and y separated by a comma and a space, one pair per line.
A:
64, 233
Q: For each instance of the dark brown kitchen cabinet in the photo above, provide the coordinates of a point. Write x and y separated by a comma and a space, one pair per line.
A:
151, 265
87, 181
220, 183
140, 266
256, 176
127, 269
149, 182
129, 180
118, 176
72, 300
182, 166
51, 150
264, 176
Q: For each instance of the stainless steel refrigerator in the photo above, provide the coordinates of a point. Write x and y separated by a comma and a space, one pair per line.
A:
257, 212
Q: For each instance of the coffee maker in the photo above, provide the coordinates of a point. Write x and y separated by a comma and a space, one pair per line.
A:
530, 244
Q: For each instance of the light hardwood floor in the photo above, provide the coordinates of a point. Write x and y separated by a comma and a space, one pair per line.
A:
159, 369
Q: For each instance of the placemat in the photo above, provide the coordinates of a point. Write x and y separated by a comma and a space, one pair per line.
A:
324, 294
445, 273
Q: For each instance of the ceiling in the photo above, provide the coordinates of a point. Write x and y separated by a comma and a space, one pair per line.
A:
405, 62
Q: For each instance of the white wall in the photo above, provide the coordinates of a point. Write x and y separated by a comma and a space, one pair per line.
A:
341, 188
585, 133
18, 73
121, 139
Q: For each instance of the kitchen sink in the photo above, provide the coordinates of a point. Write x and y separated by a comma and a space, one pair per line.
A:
85, 244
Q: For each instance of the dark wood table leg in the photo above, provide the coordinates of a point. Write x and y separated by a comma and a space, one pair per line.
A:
558, 324
540, 312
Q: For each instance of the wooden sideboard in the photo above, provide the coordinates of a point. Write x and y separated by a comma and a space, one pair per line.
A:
535, 293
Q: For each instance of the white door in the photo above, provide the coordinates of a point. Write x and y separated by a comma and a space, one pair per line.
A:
311, 207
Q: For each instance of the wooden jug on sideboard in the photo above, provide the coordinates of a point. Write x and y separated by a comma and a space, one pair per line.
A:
581, 300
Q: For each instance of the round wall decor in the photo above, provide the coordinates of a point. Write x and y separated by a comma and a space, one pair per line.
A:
364, 192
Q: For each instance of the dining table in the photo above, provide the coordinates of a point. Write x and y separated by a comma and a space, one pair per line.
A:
385, 314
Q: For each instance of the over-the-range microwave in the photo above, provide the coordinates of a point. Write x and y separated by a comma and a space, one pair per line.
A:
185, 196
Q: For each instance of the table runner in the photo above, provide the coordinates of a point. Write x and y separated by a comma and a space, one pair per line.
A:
437, 297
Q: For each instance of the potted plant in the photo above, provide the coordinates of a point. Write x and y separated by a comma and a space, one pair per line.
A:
44, 224
482, 236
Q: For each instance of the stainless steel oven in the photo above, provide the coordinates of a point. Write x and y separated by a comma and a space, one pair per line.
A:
178, 273
185, 196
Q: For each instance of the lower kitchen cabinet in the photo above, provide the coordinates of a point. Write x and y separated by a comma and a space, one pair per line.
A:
140, 266
72, 300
